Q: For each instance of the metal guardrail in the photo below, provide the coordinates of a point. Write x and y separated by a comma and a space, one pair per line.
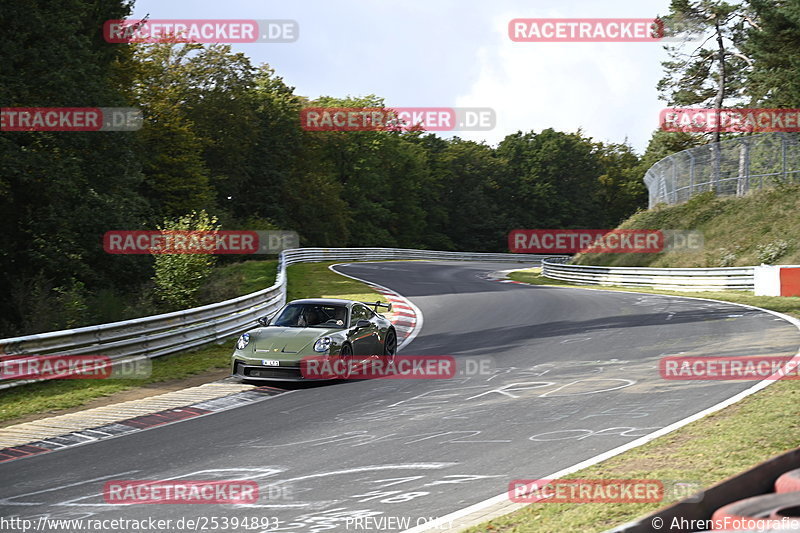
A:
680, 279
729, 168
158, 335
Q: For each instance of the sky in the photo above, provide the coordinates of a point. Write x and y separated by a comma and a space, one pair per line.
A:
450, 53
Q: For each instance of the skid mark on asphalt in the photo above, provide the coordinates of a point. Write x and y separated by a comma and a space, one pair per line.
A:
366, 491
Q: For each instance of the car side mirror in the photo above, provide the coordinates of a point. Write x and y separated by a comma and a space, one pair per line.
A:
362, 324
263, 321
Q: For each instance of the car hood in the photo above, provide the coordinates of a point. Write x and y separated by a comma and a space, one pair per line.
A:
277, 339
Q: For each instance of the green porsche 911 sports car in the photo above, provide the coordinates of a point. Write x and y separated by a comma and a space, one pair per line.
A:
319, 329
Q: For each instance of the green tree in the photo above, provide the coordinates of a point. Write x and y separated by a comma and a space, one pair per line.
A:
550, 180
621, 190
665, 143
280, 151
712, 74
177, 179
221, 103
468, 173
773, 44
178, 277
381, 173
436, 191
60, 191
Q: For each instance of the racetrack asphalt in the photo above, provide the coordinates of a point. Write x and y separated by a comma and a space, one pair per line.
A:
567, 374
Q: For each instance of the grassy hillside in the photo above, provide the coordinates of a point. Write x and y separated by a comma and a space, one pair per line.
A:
763, 227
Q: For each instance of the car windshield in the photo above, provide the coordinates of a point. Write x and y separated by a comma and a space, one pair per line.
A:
311, 316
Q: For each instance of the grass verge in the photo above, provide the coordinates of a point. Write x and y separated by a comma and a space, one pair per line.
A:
761, 227
707, 451
47, 396
315, 280
305, 281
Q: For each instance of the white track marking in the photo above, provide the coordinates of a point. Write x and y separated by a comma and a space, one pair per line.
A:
417, 326
438, 524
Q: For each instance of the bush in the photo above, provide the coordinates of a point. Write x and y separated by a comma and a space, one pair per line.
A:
178, 277
771, 252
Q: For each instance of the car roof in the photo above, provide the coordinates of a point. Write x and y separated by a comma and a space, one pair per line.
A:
327, 301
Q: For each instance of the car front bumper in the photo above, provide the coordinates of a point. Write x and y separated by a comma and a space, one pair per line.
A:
242, 370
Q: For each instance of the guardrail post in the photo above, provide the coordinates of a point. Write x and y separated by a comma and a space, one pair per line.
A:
673, 193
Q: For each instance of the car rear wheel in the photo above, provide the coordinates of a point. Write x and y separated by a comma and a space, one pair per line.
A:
390, 347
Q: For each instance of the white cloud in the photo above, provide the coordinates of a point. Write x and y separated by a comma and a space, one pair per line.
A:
606, 89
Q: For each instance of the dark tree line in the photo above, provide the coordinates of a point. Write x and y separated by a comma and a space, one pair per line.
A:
224, 136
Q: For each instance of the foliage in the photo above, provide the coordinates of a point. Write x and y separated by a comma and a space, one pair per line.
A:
711, 74
222, 135
772, 251
60, 191
773, 45
760, 227
178, 277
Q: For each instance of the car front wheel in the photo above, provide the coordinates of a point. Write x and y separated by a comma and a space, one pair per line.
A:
346, 355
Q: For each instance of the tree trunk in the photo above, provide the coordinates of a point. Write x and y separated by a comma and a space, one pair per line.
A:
720, 97
718, 100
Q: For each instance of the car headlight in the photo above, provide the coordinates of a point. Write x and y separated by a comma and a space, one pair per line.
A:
243, 341
322, 345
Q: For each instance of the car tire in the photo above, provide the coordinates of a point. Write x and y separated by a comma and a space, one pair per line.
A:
767, 506
390, 347
346, 355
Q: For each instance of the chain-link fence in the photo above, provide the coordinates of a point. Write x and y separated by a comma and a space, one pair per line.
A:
730, 168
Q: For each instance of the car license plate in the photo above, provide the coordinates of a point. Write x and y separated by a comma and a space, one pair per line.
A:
270, 362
